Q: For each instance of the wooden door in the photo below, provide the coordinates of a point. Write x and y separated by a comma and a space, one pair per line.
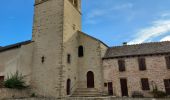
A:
124, 88
110, 88
1, 81
167, 86
90, 80
68, 86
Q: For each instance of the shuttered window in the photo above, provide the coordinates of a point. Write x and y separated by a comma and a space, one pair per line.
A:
142, 64
168, 62
145, 84
121, 64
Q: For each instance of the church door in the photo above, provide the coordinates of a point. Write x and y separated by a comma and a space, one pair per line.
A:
90, 80
68, 86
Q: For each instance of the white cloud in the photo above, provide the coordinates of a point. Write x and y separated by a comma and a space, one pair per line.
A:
166, 38
96, 13
90, 17
165, 14
158, 28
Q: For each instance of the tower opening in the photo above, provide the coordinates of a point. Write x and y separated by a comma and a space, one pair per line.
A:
74, 2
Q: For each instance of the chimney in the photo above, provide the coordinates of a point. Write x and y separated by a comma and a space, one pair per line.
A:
124, 43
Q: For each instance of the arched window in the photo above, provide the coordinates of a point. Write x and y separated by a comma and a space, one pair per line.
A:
80, 51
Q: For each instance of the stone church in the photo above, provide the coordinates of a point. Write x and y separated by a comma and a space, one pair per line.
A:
62, 61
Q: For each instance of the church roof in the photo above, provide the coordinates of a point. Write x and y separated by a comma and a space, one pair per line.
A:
93, 38
17, 45
138, 50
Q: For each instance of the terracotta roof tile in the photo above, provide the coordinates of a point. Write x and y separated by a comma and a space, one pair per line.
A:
138, 49
14, 45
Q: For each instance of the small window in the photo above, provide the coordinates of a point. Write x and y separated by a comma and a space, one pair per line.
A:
168, 62
145, 84
80, 51
105, 84
68, 58
42, 59
1, 81
121, 64
74, 3
142, 64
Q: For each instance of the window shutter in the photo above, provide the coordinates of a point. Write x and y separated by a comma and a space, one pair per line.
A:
142, 64
121, 64
168, 62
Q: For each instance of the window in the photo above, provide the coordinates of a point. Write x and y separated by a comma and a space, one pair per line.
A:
80, 51
42, 59
167, 86
142, 64
121, 64
105, 84
1, 81
145, 84
74, 2
168, 62
68, 58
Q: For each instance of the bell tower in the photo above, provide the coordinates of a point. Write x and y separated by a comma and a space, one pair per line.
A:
54, 34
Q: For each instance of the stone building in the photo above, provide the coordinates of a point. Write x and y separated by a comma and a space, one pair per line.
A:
141, 67
62, 61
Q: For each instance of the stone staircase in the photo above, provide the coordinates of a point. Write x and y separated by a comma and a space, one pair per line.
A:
86, 92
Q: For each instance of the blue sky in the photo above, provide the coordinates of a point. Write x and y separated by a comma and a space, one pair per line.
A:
112, 21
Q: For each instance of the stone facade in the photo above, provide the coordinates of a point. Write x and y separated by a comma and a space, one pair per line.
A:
17, 59
53, 66
156, 71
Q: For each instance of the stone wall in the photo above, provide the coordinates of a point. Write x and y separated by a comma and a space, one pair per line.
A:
47, 56
91, 61
92, 98
156, 72
72, 23
17, 59
12, 93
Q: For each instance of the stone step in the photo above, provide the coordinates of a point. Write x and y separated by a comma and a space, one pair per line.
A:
86, 92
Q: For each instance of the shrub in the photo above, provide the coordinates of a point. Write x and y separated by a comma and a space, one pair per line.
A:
33, 95
158, 94
15, 81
